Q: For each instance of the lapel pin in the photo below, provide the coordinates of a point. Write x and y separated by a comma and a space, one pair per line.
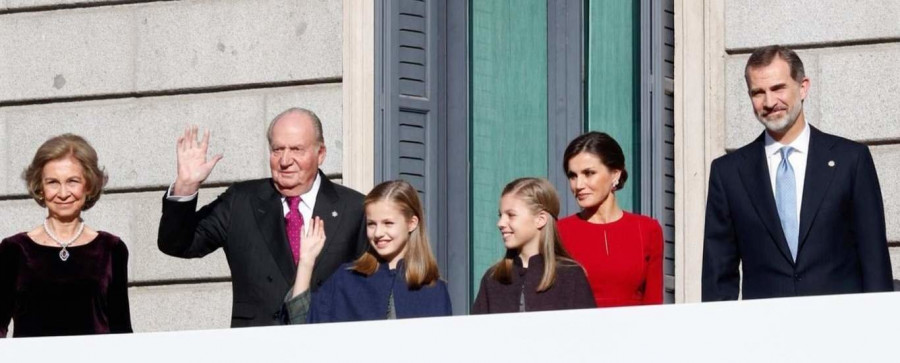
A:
831, 163
333, 213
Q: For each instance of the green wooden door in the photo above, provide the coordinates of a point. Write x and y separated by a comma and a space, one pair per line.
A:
509, 112
508, 98
613, 83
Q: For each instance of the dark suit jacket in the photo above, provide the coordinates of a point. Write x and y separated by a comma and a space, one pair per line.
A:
842, 240
247, 221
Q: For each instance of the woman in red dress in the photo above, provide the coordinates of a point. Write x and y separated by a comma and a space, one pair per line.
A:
621, 252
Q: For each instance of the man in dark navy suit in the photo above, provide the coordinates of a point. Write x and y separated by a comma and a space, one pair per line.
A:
257, 223
799, 210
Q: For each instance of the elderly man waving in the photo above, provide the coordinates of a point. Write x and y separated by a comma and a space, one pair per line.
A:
258, 222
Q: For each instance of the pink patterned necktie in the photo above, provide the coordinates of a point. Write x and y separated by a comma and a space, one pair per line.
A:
293, 223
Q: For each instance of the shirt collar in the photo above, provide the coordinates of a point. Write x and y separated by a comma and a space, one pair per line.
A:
800, 144
309, 198
384, 265
533, 261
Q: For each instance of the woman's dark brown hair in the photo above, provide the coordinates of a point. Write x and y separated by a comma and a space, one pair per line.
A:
603, 147
60, 147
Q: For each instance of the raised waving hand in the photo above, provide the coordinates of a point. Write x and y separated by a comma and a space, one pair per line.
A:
311, 244
193, 166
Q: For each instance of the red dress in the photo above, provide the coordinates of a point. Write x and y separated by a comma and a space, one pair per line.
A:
623, 259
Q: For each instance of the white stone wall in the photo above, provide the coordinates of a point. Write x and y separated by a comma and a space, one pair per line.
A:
850, 49
129, 78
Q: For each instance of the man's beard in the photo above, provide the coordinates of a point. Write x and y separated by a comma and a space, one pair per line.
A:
781, 125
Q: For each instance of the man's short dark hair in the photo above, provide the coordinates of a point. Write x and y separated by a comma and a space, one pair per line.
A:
764, 56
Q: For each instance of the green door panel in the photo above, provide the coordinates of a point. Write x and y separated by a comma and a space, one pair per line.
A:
613, 83
508, 93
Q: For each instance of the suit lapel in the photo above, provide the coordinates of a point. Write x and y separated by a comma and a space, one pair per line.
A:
758, 185
817, 181
328, 208
269, 213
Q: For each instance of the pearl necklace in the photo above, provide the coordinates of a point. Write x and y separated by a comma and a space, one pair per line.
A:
63, 254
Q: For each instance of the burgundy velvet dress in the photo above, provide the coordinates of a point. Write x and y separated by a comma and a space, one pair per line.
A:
45, 296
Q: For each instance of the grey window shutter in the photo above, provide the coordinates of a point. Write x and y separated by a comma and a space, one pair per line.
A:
565, 90
668, 69
408, 116
420, 64
658, 126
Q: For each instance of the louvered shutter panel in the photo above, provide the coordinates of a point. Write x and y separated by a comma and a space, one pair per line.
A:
668, 69
658, 122
421, 67
407, 120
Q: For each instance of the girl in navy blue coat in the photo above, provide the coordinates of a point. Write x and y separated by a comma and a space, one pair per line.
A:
397, 277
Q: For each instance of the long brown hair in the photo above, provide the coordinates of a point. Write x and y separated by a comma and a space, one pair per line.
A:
421, 266
539, 195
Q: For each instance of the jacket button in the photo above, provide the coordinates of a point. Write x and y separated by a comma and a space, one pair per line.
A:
797, 277
269, 278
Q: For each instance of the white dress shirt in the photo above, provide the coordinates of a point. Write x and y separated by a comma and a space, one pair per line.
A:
307, 200
797, 159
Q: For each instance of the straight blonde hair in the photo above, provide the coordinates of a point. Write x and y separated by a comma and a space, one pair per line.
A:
421, 266
539, 195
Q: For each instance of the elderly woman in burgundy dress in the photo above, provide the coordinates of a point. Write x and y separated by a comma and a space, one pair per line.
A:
63, 277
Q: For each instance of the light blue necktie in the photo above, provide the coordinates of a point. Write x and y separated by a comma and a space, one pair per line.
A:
786, 200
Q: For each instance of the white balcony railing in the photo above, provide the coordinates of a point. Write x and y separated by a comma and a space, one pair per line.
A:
849, 328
